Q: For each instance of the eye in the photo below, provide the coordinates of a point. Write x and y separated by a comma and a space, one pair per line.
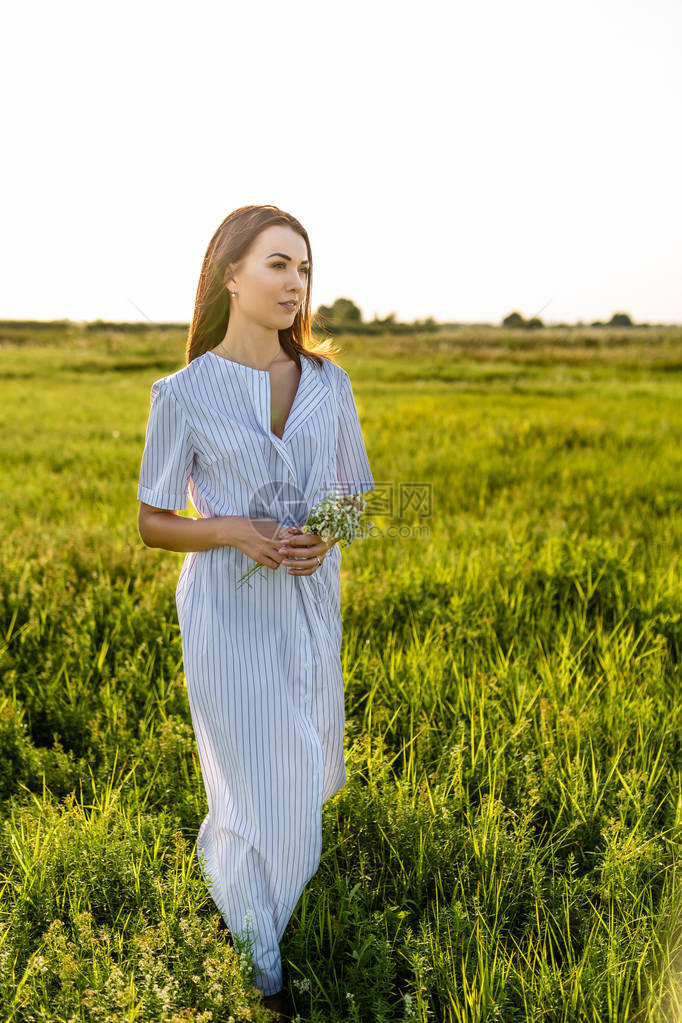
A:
304, 269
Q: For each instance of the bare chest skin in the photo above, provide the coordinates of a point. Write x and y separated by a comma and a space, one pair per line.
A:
284, 380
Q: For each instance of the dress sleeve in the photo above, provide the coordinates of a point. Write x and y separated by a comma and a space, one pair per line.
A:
353, 473
168, 454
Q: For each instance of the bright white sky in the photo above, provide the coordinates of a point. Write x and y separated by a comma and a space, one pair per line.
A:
455, 160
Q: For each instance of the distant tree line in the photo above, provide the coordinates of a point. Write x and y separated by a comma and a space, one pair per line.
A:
343, 316
617, 320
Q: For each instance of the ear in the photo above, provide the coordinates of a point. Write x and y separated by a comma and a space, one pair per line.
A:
229, 279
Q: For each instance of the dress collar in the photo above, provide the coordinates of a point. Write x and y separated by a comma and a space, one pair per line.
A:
312, 390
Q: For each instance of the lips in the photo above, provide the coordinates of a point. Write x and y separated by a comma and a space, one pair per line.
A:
289, 305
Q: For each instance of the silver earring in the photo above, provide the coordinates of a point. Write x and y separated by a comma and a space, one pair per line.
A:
234, 294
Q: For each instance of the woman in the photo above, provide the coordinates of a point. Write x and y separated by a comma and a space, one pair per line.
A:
259, 428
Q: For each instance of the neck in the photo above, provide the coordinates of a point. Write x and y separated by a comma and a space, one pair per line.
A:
257, 348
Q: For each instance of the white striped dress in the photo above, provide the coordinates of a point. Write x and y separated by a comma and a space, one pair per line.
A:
262, 663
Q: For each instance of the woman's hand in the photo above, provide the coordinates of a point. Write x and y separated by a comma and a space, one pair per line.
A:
261, 539
301, 551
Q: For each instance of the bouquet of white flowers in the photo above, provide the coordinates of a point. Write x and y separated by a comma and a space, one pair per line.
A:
332, 518
339, 518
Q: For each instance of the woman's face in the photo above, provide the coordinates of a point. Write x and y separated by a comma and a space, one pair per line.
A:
274, 271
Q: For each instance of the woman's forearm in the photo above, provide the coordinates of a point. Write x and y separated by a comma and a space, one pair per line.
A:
173, 532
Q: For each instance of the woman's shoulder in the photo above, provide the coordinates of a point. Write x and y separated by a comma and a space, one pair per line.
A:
331, 371
179, 384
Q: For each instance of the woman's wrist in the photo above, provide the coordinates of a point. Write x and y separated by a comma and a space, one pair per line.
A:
229, 529
219, 530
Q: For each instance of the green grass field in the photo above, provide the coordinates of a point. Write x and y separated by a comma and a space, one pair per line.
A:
507, 844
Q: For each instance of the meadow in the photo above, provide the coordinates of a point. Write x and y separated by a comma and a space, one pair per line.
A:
507, 844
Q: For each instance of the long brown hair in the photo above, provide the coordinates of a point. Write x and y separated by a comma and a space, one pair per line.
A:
229, 245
